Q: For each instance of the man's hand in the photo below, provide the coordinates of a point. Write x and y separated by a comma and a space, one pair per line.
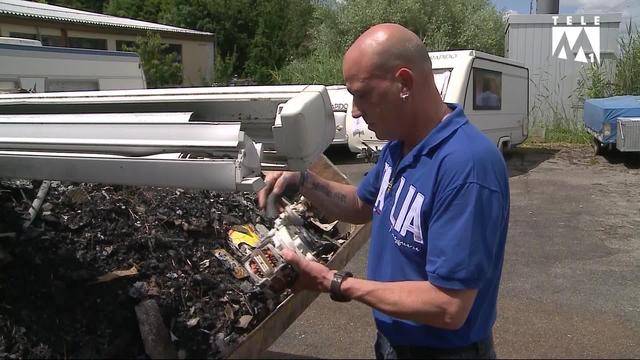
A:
311, 275
276, 182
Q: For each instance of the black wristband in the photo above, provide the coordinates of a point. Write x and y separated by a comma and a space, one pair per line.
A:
335, 291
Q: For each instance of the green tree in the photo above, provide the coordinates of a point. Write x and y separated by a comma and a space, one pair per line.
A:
279, 36
443, 24
96, 6
160, 68
158, 11
258, 35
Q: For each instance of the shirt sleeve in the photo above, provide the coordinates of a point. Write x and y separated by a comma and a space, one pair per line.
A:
370, 184
465, 229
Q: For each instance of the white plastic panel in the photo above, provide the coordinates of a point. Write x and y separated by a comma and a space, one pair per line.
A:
219, 175
300, 134
304, 133
131, 139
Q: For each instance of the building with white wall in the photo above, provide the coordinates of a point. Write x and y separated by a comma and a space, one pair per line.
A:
556, 48
64, 27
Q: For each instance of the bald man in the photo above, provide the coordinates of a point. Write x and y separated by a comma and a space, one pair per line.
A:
439, 201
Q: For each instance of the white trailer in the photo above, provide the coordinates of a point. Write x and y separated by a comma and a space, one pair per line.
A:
29, 66
340, 103
494, 92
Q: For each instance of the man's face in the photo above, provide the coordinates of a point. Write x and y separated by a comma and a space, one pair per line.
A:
376, 98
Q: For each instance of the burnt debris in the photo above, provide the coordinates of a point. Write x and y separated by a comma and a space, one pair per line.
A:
101, 264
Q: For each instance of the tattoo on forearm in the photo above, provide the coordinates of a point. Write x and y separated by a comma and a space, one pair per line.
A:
323, 189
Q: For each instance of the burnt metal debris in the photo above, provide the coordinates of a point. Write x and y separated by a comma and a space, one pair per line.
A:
70, 283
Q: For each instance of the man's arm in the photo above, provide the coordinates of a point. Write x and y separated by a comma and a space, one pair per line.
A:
336, 200
418, 301
333, 200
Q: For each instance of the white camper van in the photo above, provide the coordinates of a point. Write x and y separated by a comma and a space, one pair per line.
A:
341, 103
29, 66
493, 90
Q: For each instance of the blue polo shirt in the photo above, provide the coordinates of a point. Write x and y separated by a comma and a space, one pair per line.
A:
440, 214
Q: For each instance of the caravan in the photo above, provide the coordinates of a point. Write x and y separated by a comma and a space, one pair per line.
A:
493, 91
27, 66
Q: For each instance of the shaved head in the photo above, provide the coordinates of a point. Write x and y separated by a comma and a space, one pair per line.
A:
387, 47
388, 72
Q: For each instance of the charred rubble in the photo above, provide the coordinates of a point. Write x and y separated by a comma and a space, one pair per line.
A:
102, 270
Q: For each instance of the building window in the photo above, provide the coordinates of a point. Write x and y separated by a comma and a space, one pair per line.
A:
125, 45
52, 40
174, 49
23, 35
71, 85
487, 90
87, 43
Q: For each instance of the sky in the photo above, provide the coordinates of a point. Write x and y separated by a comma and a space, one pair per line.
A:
630, 9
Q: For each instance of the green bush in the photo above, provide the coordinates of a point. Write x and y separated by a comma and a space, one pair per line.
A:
321, 67
161, 69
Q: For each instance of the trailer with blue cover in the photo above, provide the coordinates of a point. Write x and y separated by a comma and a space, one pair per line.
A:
614, 123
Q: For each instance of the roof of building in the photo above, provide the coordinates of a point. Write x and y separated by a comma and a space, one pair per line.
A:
548, 18
30, 9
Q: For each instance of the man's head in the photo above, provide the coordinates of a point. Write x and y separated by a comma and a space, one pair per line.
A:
388, 71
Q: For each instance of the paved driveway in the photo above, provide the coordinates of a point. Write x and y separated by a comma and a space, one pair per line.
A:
571, 278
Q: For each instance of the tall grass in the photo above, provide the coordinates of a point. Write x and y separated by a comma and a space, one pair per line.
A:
625, 71
557, 117
554, 115
627, 77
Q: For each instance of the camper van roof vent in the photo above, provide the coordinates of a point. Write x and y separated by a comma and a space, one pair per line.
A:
19, 41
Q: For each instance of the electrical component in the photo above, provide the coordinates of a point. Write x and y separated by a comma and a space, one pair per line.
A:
265, 264
268, 269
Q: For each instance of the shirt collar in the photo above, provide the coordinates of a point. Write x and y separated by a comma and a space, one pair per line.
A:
446, 127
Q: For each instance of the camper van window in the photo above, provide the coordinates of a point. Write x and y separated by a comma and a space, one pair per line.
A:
487, 90
87, 43
71, 85
23, 35
52, 40
441, 77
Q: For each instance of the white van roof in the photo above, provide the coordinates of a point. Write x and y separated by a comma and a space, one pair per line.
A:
440, 55
19, 41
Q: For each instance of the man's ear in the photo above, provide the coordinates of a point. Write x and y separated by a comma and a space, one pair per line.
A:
405, 77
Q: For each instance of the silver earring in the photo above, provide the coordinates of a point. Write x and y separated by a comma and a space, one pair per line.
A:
404, 96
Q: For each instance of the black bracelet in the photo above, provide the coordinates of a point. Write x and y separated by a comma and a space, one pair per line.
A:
335, 292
